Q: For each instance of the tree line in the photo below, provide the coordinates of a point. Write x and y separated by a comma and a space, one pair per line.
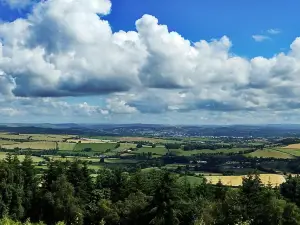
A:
68, 193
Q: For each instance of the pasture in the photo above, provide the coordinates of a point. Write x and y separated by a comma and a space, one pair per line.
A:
125, 146
35, 159
120, 161
65, 146
191, 179
35, 137
18, 137
294, 152
40, 145
270, 153
155, 151
7, 142
272, 179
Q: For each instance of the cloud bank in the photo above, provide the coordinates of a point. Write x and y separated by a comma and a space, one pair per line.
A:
64, 48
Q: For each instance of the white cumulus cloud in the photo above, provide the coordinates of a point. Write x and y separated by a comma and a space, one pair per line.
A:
66, 48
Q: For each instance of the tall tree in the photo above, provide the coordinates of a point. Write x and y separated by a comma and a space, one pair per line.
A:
165, 202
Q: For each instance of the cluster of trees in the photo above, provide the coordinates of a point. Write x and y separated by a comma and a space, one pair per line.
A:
199, 146
289, 141
68, 193
209, 145
172, 145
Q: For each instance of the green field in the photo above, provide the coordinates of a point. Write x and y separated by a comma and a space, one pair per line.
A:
294, 152
35, 137
191, 179
125, 146
270, 153
41, 145
3, 155
49, 137
96, 147
65, 146
7, 142
14, 136
120, 161
155, 151
149, 169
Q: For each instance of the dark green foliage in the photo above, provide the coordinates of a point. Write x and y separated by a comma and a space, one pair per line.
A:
165, 202
87, 150
291, 214
172, 145
139, 145
288, 141
67, 192
291, 189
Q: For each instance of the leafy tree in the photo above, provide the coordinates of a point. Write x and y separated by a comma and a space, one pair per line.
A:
139, 145
164, 205
61, 203
133, 209
251, 200
291, 215
291, 189
30, 185
220, 191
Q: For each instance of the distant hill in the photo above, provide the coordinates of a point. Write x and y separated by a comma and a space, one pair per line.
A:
155, 130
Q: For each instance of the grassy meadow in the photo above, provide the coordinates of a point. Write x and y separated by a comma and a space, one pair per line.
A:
34, 145
35, 159
271, 153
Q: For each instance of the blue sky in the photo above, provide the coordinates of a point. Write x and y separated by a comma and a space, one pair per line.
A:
153, 61
209, 19
197, 20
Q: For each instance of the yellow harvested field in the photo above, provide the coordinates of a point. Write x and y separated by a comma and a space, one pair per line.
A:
273, 179
293, 146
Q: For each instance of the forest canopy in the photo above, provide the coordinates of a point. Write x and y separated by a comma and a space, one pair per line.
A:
67, 193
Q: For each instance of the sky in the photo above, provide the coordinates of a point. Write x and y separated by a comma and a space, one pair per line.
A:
166, 62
